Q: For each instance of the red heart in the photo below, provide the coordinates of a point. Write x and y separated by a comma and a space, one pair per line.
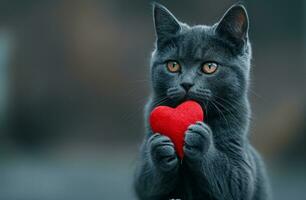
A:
173, 122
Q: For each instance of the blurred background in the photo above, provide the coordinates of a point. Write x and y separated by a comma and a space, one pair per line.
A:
74, 79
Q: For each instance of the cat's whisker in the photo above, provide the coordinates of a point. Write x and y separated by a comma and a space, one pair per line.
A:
220, 113
231, 104
255, 93
159, 101
235, 119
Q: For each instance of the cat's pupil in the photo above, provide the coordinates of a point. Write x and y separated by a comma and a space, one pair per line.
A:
173, 66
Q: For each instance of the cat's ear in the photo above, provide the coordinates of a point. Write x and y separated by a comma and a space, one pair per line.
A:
234, 25
166, 25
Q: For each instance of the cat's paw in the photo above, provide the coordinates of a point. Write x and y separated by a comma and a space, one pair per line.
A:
162, 153
197, 140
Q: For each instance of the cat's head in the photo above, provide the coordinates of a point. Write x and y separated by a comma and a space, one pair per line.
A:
200, 62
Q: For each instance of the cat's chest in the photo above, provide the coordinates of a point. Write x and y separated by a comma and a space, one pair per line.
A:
189, 189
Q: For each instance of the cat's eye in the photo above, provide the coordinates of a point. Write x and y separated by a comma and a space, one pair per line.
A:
209, 67
173, 66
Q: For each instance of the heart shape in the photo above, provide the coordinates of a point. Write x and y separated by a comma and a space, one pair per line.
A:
173, 122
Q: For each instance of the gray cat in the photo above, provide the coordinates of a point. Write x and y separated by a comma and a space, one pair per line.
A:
210, 65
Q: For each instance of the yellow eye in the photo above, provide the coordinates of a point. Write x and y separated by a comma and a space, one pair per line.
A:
173, 66
209, 68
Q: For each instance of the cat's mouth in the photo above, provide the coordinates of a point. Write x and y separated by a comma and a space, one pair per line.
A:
178, 95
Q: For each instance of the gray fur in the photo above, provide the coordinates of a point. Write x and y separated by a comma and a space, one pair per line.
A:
219, 162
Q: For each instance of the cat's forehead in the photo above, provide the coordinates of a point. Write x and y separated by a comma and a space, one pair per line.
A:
198, 42
195, 34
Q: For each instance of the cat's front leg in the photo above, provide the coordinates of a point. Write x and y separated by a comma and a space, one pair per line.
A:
198, 140
162, 154
158, 173
215, 172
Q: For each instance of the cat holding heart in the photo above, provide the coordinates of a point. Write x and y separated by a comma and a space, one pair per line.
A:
197, 118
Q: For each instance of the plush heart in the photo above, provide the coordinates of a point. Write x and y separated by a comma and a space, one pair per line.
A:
173, 122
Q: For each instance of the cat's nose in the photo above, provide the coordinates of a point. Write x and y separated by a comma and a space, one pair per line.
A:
187, 85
